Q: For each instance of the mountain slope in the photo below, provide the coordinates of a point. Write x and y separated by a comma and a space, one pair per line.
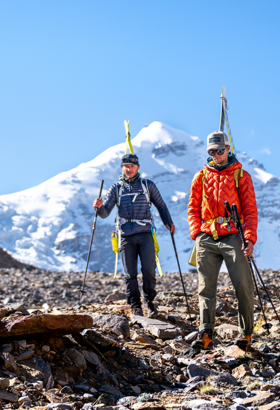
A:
49, 226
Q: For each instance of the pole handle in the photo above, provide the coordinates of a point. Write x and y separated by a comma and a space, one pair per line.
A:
101, 187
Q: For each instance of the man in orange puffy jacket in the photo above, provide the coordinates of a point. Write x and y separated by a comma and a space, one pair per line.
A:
222, 179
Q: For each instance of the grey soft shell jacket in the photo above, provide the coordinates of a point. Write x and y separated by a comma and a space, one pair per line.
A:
139, 209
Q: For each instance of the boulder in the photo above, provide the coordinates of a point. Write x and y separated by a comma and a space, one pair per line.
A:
44, 325
117, 323
220, 377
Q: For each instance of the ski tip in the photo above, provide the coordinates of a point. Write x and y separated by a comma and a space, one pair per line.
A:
224, 91
126, 126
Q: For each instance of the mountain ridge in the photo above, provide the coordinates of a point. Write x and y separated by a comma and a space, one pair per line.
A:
49, 225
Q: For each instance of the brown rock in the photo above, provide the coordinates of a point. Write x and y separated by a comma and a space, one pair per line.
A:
226, 331
234, 351
44, 324
259, 400
10, 363
7, 396
241, 371
4, 383
181, 378
10, 308
141, 337
57, 343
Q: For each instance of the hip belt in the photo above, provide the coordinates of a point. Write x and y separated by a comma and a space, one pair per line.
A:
220, 220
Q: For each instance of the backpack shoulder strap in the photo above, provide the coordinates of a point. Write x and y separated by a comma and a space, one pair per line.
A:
238, 173
145, 187
119, 193
203, 173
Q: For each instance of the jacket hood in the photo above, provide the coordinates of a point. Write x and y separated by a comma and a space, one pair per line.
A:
231, 161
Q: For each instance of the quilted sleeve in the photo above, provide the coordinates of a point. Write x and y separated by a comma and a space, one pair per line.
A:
249, 207
109, 203
159, 203
195, 200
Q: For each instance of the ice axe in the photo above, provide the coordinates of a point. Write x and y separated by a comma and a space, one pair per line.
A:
176, 254
82, 291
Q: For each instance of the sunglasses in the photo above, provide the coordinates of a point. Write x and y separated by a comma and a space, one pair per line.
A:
212, 152
129, 161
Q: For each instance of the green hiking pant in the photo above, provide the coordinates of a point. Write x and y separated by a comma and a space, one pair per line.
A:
209, 257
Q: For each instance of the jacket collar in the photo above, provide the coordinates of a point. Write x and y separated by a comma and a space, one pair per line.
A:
231, 161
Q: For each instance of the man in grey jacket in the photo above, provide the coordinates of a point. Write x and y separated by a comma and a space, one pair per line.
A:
133, 197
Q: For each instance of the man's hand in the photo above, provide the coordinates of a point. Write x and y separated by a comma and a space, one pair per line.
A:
249, 250
98, 202
172, 229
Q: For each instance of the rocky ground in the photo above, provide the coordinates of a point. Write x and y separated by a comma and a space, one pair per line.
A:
128, 362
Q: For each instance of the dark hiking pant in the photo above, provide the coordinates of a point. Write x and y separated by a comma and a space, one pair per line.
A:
141, 244
209, 257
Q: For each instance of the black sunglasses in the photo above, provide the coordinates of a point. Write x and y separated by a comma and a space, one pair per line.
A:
212, 152
130, 160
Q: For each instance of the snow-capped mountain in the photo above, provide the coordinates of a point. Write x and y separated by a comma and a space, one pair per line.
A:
49, 226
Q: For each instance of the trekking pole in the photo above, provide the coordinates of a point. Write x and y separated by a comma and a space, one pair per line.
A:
236, 219
265, 289
175, 250
89, 251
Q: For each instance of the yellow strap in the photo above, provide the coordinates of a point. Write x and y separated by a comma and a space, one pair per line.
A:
159, 266
156, 245
116, 264
238, 173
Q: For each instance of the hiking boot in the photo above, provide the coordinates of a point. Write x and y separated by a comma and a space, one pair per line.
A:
151, 308
242, 340
137, 311
203, 339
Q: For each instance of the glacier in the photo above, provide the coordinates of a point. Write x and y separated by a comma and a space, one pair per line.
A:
49, 226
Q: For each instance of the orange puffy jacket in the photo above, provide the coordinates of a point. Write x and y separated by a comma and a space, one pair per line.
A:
218, 187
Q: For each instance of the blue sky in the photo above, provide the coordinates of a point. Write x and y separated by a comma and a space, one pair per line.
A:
73, 71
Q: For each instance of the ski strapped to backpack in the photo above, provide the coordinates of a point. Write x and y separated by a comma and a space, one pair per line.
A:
128, 141
224, 117
238, 173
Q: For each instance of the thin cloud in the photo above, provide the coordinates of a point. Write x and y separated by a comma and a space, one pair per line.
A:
265, 151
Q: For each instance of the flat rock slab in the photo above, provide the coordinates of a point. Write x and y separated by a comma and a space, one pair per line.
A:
221, 377
202, 405
114, 391
234, 351
44, 325
275, 405
157, 328
186, 361
117, 323
7, 396
259, 400
9, 308
226, 331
